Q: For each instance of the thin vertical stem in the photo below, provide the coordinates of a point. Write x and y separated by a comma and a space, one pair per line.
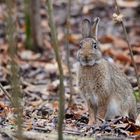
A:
129, 46
16, 93
61, 77
68, 51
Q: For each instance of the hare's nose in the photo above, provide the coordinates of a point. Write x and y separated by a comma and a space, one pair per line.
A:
86, 58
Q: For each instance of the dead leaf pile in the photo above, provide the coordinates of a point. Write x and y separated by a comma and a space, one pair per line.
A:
39, 73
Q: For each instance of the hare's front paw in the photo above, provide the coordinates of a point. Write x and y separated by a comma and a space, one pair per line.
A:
91, 121
92, 109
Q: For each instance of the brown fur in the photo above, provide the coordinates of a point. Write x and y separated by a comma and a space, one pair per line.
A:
106, 89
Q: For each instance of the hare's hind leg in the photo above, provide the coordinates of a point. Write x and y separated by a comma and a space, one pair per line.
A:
133, 114
129, 107
132, 108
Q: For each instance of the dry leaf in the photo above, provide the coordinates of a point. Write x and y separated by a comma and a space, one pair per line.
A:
119, 55
56, 105
74, 38
128, 3
107, 39
120, 43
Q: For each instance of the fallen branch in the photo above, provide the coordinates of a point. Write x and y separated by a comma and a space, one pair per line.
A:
34, 135
72, 132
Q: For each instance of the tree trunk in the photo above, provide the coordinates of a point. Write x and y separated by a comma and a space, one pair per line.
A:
36, 23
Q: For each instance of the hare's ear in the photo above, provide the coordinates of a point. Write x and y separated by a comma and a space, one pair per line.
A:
95, 27
86, 28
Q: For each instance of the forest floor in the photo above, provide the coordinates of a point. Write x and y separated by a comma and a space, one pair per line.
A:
39, 72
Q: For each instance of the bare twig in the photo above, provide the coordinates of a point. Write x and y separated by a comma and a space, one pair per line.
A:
58, 59
129, 46
72, 132
68, 52
6, 93
15, 93
100, 119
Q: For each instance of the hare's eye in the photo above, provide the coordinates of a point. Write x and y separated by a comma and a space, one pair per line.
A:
95, 46
80, 45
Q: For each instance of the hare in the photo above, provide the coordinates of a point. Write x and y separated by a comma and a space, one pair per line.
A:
106, 89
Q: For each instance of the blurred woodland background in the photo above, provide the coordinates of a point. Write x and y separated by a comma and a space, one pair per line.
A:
29, 74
